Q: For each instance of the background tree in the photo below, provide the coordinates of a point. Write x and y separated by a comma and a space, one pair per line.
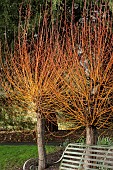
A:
9, 13
9, 16
83, 87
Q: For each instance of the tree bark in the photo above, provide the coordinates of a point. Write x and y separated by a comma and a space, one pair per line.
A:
91, 139
41, 142
91, 135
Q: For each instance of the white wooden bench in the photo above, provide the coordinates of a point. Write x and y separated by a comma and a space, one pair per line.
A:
84, 157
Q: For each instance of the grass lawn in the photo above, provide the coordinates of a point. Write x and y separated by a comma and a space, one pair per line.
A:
13, 156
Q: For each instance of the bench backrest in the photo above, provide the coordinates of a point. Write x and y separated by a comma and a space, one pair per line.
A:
95, 157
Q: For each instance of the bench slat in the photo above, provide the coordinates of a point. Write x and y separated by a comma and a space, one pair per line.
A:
69, 165
71, 161
73, 157
64, 168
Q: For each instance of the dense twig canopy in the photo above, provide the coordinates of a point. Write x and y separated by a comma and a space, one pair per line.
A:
84, 81
68, 70
26, 69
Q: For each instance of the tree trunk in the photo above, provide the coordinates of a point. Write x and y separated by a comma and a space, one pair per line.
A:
91, 135
91, 139
41, 142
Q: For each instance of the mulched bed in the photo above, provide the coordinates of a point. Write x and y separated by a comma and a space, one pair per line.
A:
51, 159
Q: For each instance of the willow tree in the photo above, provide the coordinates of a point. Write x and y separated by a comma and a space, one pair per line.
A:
26, 73
83, 87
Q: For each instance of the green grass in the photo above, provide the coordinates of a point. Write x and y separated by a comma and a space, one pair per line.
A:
13, 156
